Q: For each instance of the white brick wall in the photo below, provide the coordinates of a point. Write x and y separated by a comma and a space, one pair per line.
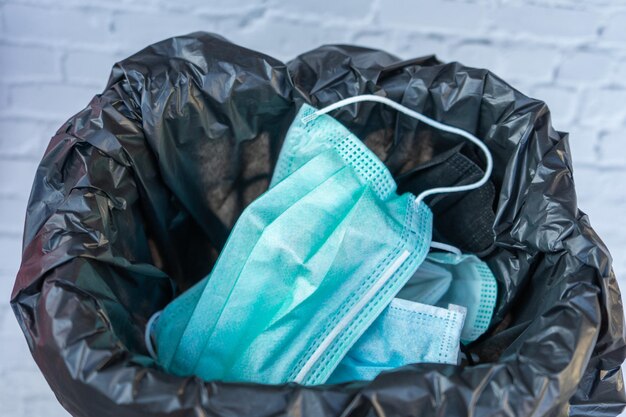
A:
54, 55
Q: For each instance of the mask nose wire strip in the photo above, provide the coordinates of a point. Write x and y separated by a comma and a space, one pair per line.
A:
428, 121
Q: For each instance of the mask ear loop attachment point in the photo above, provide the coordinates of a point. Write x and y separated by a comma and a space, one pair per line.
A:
309, 118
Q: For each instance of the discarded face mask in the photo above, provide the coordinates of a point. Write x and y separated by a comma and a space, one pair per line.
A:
292, 289
277, 306
406, 332
474, 288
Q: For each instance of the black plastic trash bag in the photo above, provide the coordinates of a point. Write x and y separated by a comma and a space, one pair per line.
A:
137, 193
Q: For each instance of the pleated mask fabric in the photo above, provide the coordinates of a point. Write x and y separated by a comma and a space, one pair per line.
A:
307, 268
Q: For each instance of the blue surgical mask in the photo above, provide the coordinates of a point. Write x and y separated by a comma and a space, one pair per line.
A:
413, 330
406, 332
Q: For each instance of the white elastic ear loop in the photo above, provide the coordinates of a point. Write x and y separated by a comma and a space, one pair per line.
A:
428, 121
147, 333
446, 247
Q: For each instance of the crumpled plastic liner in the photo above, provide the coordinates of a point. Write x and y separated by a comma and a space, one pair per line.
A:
136, 194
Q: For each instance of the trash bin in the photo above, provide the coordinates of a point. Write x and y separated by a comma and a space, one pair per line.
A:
136, 194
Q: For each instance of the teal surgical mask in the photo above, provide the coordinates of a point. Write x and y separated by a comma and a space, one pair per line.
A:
444, 278
307, 269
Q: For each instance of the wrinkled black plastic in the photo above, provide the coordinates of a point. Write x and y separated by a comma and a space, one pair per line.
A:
137, 193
